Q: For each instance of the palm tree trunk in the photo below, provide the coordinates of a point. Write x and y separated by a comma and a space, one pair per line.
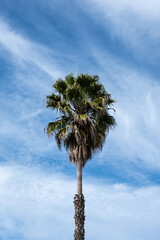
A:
79, 178
79, 204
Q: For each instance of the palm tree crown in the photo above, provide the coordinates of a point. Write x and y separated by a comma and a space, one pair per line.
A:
85, 120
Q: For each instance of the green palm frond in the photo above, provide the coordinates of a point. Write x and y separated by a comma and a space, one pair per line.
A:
52, 101
85, 121
54, 127
60, 86
70, 79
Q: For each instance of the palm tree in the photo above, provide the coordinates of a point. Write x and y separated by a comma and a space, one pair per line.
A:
82, 127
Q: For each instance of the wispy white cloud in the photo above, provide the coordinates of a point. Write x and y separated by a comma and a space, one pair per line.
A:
26, 51
22, 110
23, 117
38, 205
145, 9
29, 204
136, 23
137, 113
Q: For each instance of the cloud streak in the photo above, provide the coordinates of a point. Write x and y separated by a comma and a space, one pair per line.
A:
22, 110
133, 145
135, 23
24, 50
37, 205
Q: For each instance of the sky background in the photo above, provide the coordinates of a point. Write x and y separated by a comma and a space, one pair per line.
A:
41, 41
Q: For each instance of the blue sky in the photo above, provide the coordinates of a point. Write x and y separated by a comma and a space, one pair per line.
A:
41, 41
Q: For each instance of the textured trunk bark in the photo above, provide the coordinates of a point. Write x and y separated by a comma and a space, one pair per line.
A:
79, 204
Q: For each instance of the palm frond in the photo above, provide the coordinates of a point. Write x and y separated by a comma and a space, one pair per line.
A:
85, 121
70, 79
60, 86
